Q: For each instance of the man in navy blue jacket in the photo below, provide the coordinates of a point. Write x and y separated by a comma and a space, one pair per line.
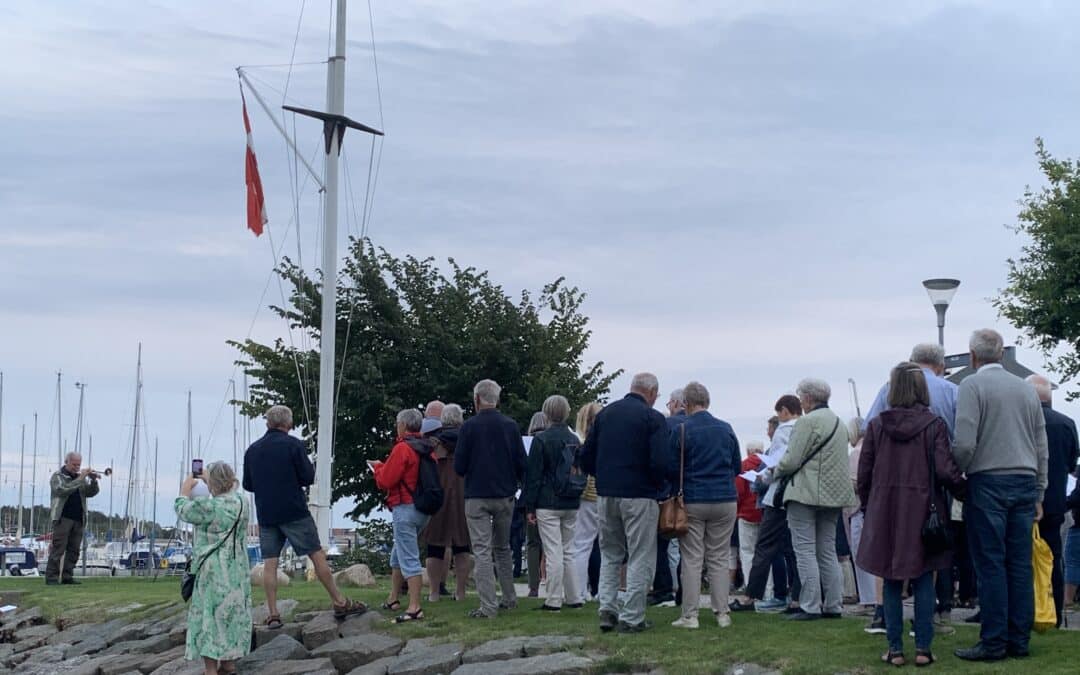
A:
491, 456
627, 451
277, 469
1063, 448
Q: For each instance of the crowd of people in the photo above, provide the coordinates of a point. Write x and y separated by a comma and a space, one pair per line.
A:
933, 497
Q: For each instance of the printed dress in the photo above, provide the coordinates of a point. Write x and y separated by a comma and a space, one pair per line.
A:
219, 619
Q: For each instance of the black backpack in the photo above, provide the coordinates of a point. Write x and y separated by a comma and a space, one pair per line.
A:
428, 496
570, 479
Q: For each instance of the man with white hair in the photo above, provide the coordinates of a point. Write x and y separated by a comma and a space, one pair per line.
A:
930, 358
70, 487
1001, 446
490, 455
277, 469
627, 452
1062, 450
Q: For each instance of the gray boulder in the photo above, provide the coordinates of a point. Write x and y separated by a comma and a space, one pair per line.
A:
22, 618
126, 633
42, 631
376, 667
284, 607
367, 622
548, 664
320, 629
264, 634
418, 645
180, 667
431, 661
306, 667
150, 645
281, 648
350, 652
518, 647
750, 669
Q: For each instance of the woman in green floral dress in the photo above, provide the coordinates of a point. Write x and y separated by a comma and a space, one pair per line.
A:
219, 619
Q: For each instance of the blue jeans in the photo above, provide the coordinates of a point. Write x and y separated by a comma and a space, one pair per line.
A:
405, 556
999, 515
923, 590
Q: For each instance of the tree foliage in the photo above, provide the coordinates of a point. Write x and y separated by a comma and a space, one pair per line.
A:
408, 333
1042, 298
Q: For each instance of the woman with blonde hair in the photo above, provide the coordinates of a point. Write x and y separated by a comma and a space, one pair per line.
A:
586, 526
219, 618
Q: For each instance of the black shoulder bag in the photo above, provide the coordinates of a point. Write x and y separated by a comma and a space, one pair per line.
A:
778, 498
935, 531
187, 585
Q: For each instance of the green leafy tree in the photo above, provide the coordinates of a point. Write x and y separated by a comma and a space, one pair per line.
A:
1042, 298
408, 333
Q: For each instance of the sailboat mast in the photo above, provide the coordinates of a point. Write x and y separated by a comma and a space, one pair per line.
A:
59, 422
235, 438
133, 469
33, 478
335, 105
22, 465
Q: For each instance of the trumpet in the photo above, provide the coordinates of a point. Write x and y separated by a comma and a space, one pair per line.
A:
98, 474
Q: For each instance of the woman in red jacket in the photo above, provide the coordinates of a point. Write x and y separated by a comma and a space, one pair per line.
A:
398, 476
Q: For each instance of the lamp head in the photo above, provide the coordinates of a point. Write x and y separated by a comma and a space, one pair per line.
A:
941, 291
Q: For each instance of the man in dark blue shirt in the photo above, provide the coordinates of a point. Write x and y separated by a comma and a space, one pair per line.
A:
1062, 449
277, 469
491, 456
627, 451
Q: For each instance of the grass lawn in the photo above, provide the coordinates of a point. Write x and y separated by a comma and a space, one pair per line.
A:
819, 647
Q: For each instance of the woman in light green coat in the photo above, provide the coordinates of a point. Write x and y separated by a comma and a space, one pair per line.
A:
819, 486
219, 619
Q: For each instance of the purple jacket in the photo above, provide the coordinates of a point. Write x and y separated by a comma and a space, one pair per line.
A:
894, 489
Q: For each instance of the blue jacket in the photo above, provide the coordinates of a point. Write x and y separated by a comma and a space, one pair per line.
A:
627, 449
490, 455
277, 469
713, 459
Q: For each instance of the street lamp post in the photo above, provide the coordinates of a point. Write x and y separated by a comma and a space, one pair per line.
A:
941, 292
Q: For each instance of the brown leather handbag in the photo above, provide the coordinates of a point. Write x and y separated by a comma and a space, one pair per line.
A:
673, 519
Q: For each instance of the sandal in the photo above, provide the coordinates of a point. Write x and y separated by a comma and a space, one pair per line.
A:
273, 622
924, 654
410, 616
350, 608
392, 606
893, 658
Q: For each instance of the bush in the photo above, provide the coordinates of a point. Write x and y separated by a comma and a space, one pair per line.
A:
375, 538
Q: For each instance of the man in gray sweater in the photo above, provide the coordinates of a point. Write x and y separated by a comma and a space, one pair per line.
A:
1001, 446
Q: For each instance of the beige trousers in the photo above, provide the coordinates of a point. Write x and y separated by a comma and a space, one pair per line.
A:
707, 542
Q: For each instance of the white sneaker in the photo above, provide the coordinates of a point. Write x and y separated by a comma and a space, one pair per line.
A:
668, 603
723, 620
687, 622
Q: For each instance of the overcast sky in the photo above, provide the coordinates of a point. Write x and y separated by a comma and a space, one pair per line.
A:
750, 193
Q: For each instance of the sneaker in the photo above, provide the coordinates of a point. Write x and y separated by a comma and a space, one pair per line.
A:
723, 620
685, 622
771, 606
737, 605
876, 627
508, 604
608, 621
655, 599
624, 627
667, 603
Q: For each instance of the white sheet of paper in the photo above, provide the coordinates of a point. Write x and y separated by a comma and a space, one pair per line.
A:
750, 476
1070, 485
768, 460
527, 441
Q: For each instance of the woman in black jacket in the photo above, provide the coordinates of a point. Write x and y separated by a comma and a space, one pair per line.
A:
550, 506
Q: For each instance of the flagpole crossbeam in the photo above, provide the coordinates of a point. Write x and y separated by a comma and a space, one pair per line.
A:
334, 125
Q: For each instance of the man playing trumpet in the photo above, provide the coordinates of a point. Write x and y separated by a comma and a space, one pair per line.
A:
70, 487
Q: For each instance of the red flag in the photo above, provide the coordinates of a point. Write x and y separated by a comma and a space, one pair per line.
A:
256, 206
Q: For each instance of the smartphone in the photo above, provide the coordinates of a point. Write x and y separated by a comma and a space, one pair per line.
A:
196, 468
371, 464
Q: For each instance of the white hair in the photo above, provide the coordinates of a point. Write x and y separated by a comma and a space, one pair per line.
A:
817, 390
928, 354
279, 416
537, 423
644, 382
987, 345
452, 415
1042, 387
487, 392
70, 456
220, 478
695, 394
434, 409
753, 447
678, 396
411, 419
556, 409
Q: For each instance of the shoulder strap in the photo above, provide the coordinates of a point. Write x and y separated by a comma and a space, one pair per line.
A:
933, 477
221, 541
819, 448
682, 456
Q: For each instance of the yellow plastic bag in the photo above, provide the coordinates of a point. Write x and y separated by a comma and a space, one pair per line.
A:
1042, 564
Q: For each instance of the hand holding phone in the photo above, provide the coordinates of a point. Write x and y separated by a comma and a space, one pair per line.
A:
196, 468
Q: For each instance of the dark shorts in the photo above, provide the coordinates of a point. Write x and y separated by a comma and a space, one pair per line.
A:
302, 534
